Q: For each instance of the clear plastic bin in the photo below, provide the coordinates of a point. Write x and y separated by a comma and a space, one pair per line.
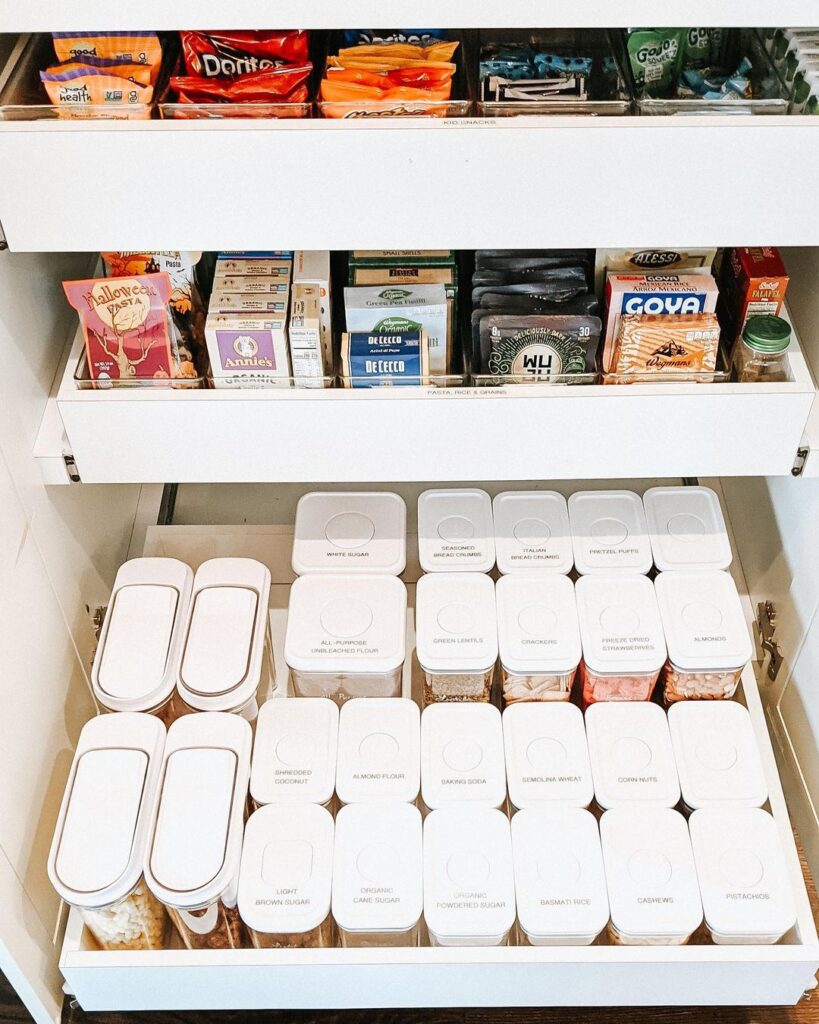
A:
596, 686
193, 863
608, 91
107, 808
84, 382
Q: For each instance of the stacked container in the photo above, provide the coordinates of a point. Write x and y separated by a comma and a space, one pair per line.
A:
103, 830
193, 862
462, 755
456, 635
379, 751
227, 662
137, 660
532, 533
686, 529
609, 533
455, 531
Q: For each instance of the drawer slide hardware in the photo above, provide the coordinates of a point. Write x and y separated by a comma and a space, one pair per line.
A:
766, 625
800, 460
71, 469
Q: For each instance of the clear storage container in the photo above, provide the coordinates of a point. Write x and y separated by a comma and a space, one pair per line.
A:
622, 637
469, 883
654, 896
455, 531
538, 637
286, 877
746, 893
560, 883
609, 533
687, 529
547, 756
137, 659
193, 863
378, 875
103, 828
708, 642
379, 751
294, 752
717, 755
632, 758
350, 531
532, 532
346, 636
456, 635
462, 755
227, 662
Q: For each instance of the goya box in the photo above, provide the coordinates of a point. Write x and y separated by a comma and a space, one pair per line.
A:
654, 295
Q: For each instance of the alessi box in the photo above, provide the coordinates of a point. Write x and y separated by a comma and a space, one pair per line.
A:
654, 295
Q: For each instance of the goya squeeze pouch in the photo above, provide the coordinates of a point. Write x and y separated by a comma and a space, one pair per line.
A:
656, 56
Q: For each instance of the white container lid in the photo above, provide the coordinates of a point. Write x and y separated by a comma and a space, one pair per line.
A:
703, 621
560, 883
469, 885
350, 531
538, 631
547, 758
197, 837
103, 827
286, 873
742, 873
609, 532
717, 757
379, 750
225, 634
346, 624
652, 882
631, 755
456, 623
620, 625
294, 752
378, 868
462, 755
141, 638
455, 532
686, 528
532, 532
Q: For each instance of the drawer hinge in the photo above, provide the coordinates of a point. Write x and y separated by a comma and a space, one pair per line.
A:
71, 469
799, 462
766, 626
3, 243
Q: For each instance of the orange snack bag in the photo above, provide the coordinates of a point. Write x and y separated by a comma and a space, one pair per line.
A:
139, 73
136, 47
439, 51
95, 87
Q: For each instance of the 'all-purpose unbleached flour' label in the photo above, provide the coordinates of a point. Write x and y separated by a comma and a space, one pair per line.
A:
654, 295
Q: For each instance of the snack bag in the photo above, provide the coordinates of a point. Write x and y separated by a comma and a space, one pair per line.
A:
139, 73
82, 87
388, 53
127, 328
283, 84
655, 55
416, 36
233, 54
540, 347
133, 47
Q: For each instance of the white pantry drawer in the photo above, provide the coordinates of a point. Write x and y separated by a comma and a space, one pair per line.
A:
600, 975
523, 432
568, 182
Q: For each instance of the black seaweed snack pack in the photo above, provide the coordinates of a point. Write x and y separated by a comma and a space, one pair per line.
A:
539, 347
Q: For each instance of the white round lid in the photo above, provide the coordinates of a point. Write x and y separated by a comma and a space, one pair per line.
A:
547, 758
532, 532
140, 642
631, 756
103, 826
462, 755
286, 872
346, 624
455, 531
294, 752
746, 892
652, 882
378, 867
686, 528
560, 883
349, 532
620, 626
716, 753
456, 626
197, 835
704, 624
538, 631
379, 750
609, 532
225, 634
469, 886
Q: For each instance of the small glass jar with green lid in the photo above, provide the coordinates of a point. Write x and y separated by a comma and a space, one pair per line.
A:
761, 355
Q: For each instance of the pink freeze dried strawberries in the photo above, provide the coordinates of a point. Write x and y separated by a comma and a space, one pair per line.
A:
127, 326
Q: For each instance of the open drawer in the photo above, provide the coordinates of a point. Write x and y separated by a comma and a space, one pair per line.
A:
601, 974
